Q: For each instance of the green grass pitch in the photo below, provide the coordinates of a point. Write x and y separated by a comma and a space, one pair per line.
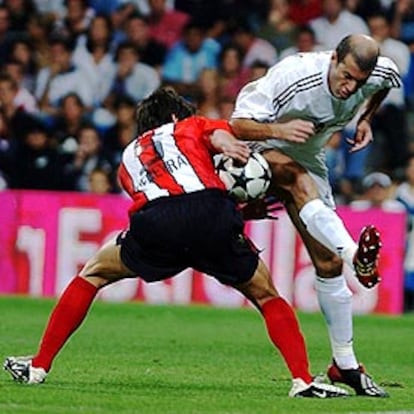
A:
136, 358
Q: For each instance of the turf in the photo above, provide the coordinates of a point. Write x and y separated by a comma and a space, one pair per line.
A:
136, 358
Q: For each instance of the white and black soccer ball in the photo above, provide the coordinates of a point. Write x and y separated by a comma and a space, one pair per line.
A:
244, 182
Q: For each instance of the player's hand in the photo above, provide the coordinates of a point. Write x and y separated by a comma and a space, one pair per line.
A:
296, 130
262, 208
363, 136
238, 150
227, 144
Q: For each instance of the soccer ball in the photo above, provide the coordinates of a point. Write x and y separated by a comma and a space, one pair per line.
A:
245, 182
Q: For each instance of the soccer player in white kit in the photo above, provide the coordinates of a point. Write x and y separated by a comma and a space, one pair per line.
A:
290, 114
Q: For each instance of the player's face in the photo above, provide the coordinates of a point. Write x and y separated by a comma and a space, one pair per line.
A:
345, 77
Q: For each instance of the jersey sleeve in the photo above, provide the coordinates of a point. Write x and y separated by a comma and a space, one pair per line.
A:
209, 126
254, 102
258, 100
385, 75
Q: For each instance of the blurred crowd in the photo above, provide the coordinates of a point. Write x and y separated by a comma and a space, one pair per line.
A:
72, 71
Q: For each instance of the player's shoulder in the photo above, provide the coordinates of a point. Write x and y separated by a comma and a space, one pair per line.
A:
386, 71
386, 63
303, 65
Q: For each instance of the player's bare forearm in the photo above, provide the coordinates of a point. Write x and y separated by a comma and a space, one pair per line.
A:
363, 135
294, 130
251, 130
373, 104
227, 144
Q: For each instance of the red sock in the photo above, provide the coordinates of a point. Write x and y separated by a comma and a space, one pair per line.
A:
283, 329
66, 317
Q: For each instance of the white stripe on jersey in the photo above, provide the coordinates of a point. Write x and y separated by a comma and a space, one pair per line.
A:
177, 164
185, 174
138, 174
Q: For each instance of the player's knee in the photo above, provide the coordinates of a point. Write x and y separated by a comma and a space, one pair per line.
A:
329, 267
93, 267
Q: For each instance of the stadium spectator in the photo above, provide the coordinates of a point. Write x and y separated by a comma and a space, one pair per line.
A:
60, 78
39, 28
37, 164
188, 57
390, 123
67, 123
163, 238
131, 77
15, 120
165, 25
150, 51
279, 29
19, 12
88, 156
405, 195
76, 20
6, 35
22, 51
252, 46
377, 193
93, 57
123, 131
208, 93
24, 98
99, 182
232, 74
305, 41
300, 103
335, 23
403, 22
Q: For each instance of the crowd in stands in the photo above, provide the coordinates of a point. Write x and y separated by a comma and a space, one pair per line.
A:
72, 71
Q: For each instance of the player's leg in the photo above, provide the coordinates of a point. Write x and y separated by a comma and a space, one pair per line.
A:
320, 219
284, 331
71, 309
335, 301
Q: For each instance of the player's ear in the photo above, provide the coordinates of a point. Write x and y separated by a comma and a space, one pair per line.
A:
334, 57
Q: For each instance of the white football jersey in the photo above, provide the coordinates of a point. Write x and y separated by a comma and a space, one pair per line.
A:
297, 88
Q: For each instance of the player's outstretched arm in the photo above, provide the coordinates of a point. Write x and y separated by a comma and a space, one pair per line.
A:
227, 144
363, 135
295, 130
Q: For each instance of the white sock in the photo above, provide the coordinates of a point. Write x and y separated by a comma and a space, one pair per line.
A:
335, 301
325, 226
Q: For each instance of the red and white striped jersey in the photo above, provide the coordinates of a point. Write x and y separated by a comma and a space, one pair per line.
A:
176, 158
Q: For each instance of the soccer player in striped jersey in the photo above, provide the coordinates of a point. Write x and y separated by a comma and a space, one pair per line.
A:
181, 217
289, 115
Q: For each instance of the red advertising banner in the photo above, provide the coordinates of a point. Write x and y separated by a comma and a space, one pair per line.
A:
46, 237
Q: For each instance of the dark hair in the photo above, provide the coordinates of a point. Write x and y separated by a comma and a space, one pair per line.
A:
226, 48
123, 100
159, 107
125, 45
6, 77
366, 60
109, 26
67, 43
305, 28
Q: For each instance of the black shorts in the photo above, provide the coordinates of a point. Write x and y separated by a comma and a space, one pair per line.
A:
201, 230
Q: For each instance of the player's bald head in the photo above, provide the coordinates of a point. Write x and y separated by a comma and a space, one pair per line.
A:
364, 49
